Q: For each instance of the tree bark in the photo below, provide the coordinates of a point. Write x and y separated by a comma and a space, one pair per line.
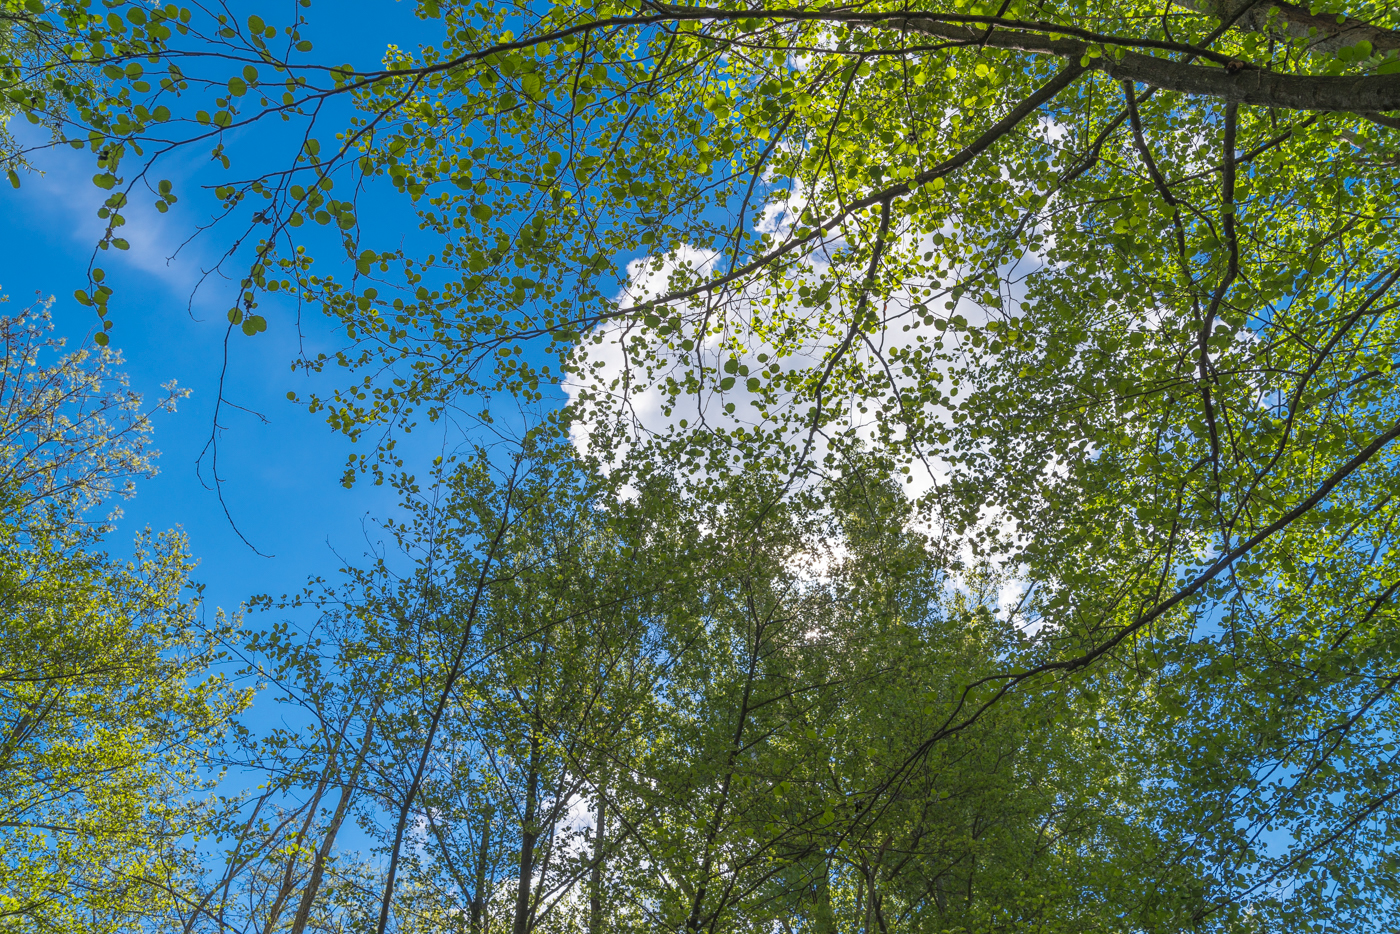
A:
1241, 83
1294, 22
479, 892
318, 866
595, 884
1248, 84
284, 891
529, 834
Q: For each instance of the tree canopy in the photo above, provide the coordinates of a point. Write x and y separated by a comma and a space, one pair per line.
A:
108, 710
1108, 288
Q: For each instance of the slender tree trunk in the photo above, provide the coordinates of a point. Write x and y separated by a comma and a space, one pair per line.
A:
595, 887
479, 893
17, 735
868, 925
529, 834
880, 914
698, 902
288, 876
318, 867
824, 919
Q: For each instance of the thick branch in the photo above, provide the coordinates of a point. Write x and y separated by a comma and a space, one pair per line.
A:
1248, 85
1298, 23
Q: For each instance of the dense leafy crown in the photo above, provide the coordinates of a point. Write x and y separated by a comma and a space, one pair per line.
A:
1111, 285
107, 708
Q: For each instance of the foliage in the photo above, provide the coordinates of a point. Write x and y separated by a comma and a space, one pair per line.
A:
106, 706
1114, 285
592, 714
108, 717
72, 435
43, 74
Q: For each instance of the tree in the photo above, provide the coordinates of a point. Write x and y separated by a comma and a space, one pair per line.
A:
1118, 283
107, 708
694, 715
1145, 266
105, 738
487, 658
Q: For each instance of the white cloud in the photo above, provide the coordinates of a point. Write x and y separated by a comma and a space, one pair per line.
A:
630, 387
619, 386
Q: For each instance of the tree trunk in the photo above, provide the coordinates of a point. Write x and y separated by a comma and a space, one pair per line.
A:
479, 893
1244, 85
308, 896
595, 887
284, 891
529, 834
824, 919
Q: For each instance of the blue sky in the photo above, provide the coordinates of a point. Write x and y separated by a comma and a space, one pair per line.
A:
283, 475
